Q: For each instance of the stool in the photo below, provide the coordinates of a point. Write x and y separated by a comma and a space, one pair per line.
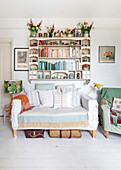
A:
6, 109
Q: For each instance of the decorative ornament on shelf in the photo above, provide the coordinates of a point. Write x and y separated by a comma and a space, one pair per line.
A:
69, 32
85, 28
33, 28
50, 30
58, 33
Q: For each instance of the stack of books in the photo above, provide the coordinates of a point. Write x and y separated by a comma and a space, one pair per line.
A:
53, 53
61, 65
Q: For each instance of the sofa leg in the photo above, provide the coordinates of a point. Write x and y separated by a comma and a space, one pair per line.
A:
107, 134
94, 133
14, 133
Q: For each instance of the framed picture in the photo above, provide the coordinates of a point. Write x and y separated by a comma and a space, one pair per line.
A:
106, 54
21, 59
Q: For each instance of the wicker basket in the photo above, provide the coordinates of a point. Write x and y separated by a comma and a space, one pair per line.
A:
65, 134
54, 133
76, 134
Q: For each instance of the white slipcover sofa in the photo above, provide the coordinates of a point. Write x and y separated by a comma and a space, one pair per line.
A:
84, 117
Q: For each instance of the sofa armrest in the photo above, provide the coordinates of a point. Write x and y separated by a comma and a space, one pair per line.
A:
16, 109
91, 106
106, 115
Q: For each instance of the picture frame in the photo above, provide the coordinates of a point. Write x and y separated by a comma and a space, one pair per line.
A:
21, 56
106, 54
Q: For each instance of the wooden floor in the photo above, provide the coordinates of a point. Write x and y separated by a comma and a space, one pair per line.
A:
58, 154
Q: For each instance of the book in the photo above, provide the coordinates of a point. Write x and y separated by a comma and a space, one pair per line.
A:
42, 65
77, 52
71, 52
43, 53
59, 67
47, 51
53, 53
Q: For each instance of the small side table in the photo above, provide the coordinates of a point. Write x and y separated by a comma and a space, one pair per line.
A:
6, 109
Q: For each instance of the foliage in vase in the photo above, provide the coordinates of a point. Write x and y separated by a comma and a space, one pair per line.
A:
58, 33
32, 27
85, 26
50, 29
69, 31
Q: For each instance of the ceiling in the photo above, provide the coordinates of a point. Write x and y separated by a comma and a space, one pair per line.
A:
60, 8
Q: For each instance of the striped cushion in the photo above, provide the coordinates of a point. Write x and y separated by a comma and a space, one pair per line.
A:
76, 92
62, 100
33, 97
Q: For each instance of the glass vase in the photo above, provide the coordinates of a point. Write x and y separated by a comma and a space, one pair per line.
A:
33, 33
50, 34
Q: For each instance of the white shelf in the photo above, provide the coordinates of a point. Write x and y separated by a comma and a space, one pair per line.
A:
70, 50
85, 55
33, 55
59, 38
53, 58
32, 48
85, 47
33, 63
58, 79
59, 45
82, 63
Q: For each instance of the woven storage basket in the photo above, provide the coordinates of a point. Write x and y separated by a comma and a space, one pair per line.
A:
65, 134
76, 134
54, 133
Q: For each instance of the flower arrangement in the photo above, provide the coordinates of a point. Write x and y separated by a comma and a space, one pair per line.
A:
50, 29
59, 33
33, 27
69, 31
85, 26
108, 54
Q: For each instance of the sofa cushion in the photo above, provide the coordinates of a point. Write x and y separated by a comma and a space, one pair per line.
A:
52, 115
75, 97
33, 97
62, 100
60, 87
46, 98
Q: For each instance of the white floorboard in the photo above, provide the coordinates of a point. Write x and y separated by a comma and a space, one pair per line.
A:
58, 154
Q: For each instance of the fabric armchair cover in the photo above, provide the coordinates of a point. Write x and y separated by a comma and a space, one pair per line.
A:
107, 95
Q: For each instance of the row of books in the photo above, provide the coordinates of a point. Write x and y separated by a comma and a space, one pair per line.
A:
59, 53
61, 65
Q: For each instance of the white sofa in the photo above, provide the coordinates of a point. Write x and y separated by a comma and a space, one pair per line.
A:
87, 113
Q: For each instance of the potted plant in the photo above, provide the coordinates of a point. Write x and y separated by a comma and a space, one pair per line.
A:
33, 28
69, 32
50, 30
85, 28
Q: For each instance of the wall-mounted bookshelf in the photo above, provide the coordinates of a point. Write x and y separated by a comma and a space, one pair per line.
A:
59, 58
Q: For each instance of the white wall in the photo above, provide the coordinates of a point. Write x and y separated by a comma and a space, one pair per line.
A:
106, 32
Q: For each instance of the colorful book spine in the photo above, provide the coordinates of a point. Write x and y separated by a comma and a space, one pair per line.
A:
71, 52
42, 65
57, 66
40, 52
66, 65
47, 51
45, 55
59, 63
